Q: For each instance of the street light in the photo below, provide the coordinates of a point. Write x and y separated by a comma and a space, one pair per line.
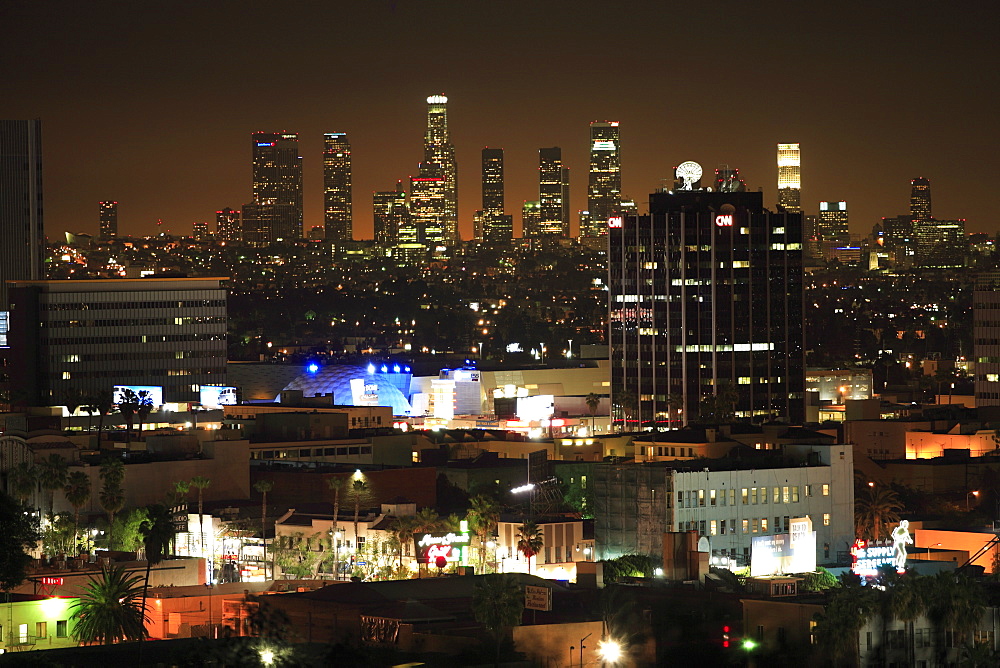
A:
610, 651
974, 493
582, 647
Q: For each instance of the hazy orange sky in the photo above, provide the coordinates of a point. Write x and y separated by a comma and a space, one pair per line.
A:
153, 105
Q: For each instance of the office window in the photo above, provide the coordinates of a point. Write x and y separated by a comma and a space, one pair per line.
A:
746, 496
785, 494
732, 496
795, 494
826, 490
777, 524
763, 494
41, 630
809, 490
755, 525
711, 498
746, 526
777, 495
701, 498
826, 519
763, 525
722, 527
22, 633
680, 499
712, 527
61, 630
753, 495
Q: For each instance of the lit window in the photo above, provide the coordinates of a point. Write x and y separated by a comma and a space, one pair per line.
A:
826, 519
713, 525
779, 230
67, 375
763, 525
993, 377
826, 490
744, 380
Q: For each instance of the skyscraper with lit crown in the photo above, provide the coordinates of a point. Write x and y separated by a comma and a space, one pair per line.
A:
337, 187
276, 211
920, 199
789, 178
108, 212
439, 163
604, 189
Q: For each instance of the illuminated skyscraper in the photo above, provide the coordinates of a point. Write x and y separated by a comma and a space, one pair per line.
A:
705, 311
832, 223
604, 189
727, 180
108, 212
22, 237
789, 178
337, 187
227, 225
427, 199
439, 163
553, 194
531, 215
494, 226
392, 218
276, 211
920, 199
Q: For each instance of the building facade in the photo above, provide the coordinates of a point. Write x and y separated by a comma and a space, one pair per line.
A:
108, 214
81, 337
789, 178
227, 225
986, 338
605, 181
392, 218
439, 163
705, 305
276, 211
337, 187
495, 227
553, 194
23, 247
833, 222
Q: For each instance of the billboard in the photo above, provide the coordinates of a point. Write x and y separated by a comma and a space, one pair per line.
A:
793, 552
213, 396
364, 393
155, 393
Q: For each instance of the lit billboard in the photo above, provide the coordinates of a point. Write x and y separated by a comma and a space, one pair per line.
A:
214, 396
793, 552
154, 392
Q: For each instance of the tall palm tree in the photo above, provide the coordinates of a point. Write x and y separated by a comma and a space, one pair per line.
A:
529, 540
876, 509
110, 609
23, 479
77, 491
263, 486
358, 493
498, 604
144, 406
157, 532
112, 496
593, 400
52, 473
484, 514
954, 602
336, 485
849, 608
201, 483
905, 600
402, 529
104, 402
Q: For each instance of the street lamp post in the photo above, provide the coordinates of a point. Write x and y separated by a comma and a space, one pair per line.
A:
582, 647
974, 493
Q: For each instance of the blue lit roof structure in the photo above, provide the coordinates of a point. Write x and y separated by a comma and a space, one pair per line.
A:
336, 379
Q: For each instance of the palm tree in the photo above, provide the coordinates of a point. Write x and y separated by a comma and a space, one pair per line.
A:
145, 406
592, 400
22, 479
157, 532
529, 540
675, 404
904, 599
427, 520
954, 602
52, 473
876, 509
201, 483
498, 604
850, 607
263, 486
103, 401
358, 493
336, 485
402, 529
112, 496
77, 491
483, 518
110, 609
128, 405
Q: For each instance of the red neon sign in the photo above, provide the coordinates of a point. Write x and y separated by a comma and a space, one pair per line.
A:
49, 580
724, 220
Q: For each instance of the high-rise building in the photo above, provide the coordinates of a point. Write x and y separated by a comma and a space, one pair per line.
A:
276, 211
553, 194
439, 163
22, 236
392, 219
199, 230
337, 187
108, 213
940, 243
706, 311
604, 189
920, 199
986, 338
427, 197
832, 223
89, 335
531, 217
789, 178
227, 225
492, 224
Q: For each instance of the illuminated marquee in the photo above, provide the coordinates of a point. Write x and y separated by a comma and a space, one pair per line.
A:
615, 221
49, 580
724, 220
450, 546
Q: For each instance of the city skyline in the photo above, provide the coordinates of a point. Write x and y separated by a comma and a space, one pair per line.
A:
861, 146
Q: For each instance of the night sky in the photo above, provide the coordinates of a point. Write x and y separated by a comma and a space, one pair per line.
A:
152, 104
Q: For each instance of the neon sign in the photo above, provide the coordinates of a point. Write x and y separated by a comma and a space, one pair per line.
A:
430, 547
724, 220
616, 221
49, 580
867, 556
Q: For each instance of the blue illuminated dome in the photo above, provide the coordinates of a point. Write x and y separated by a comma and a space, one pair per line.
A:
336, 379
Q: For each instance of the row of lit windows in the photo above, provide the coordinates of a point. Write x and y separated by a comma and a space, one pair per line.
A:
140, 322
103, 373
746, 526
96, 306
157, 355
167, 338
748, 495
312, 452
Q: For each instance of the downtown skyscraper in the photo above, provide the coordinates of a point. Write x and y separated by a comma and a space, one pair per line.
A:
604, 189
789, 178
275, 214
439, 163
706, 311
108, 215
553, 194
337, 219
392, 219
492, 224
22, 236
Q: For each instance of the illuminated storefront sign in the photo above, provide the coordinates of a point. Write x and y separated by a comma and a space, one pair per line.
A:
451, 546
615, 221
724, 220
867, 556
51, 581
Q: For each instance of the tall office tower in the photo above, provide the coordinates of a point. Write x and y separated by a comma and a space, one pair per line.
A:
439, 162
108, 212
276, 213
392, 218
531, 216
727, 180
427, 199
986, 339
706, 310
199, 230
496, 226
940, 243
227, 225
604, 189
920, 199
553, 194
832, 222
90, 335
789, 178
337, 187
22, 236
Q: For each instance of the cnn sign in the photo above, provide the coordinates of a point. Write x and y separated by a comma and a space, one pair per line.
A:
724, 220
615, 221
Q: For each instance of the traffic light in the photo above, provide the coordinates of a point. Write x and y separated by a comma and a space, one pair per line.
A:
725, 636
